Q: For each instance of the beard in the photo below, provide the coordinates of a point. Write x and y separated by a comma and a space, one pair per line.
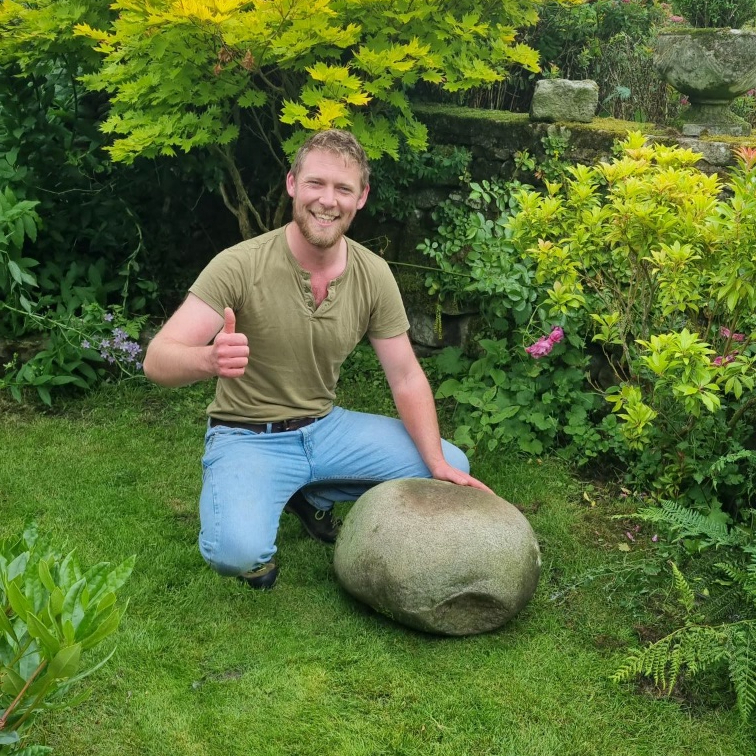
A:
318, 236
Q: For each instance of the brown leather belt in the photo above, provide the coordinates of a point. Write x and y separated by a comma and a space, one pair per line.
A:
295, 423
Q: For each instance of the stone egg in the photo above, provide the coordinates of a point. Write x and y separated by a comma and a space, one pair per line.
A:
438, 557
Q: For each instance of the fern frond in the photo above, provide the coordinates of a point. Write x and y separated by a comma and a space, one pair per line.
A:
723, 606
685, 592
688, 649
744, 579
687, 523
742, 665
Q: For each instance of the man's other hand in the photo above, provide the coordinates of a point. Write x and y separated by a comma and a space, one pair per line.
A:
453, 475
230, 353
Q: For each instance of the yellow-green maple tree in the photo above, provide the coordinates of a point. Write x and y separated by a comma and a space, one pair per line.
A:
183, 75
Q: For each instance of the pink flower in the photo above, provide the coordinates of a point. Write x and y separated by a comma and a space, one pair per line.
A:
676, 19
544, 345
728, 334
556, 335
541, 348
655, 538
724, 360
684, 100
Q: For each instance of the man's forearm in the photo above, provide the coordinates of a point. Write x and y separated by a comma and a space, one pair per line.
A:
172, 364
417, 410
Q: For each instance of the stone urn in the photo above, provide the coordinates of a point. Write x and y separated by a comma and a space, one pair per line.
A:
712, 67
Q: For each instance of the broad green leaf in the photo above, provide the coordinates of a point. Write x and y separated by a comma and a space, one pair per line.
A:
18, 566
106, 628
56, 602
36, 628
65, 663
15, 271
73, 608
11, 683
17, 600
107, 580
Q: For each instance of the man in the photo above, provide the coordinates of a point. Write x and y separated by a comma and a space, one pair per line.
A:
274, 318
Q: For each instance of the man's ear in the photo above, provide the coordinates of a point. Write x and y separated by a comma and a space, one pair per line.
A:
291, 183
363, 197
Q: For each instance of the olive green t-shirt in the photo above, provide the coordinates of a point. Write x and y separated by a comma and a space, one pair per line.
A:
295, 350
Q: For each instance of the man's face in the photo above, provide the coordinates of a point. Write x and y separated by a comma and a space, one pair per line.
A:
326, 195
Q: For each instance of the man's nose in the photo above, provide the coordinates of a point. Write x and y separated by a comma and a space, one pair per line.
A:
327, 196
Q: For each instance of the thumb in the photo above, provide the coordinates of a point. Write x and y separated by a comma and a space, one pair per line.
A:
229, 321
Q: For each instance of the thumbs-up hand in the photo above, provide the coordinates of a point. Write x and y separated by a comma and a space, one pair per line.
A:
230, 352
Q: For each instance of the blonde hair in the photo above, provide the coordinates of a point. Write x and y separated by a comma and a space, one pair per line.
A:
339, 142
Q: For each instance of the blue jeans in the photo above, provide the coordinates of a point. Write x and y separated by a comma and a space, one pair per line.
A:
248, 478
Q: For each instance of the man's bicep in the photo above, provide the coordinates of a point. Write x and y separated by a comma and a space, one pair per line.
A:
396, 356
195, 323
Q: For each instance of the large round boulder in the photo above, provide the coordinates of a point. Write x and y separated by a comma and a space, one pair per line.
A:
438, 557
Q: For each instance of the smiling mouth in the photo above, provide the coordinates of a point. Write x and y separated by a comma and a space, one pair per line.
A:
325, 218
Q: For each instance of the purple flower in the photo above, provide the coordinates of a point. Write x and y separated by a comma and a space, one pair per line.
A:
85, 344
108, 316
738, 337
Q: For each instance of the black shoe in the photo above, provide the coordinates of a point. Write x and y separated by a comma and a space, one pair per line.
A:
319, 523
262, 577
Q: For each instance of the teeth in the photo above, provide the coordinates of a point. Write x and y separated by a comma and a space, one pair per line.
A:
325, 217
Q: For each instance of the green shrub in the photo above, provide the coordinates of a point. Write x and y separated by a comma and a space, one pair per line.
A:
503, 396
52, 614
649, 259
607, 41
639, 277
716, 13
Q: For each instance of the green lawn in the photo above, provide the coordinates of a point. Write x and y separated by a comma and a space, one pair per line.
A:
205, 666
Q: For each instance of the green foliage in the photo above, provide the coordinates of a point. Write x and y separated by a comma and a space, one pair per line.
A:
52, 613
82, 347
704, 641
278, 69
502, 396
716, 13
131, 221
648, 260
18, 222
607, 41
392, 182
